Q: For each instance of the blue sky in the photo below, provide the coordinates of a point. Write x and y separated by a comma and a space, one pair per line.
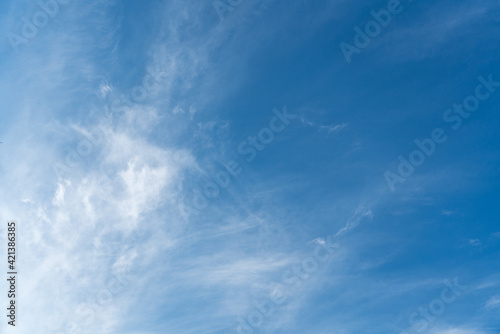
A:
224, 167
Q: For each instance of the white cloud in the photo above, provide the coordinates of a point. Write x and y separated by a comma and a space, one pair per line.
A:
475, 242
493, 302
457, 331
